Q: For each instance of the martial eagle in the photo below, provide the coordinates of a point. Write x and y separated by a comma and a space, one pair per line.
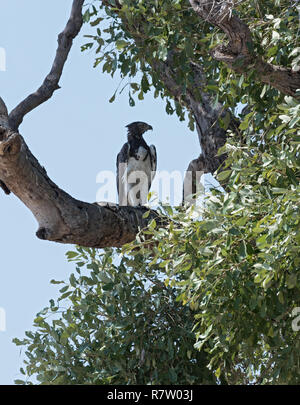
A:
136, 166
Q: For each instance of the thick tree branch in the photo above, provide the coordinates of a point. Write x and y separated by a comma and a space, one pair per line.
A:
237, 53
62, 218
50, 84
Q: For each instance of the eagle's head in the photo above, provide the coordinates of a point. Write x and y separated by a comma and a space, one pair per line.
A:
137, 128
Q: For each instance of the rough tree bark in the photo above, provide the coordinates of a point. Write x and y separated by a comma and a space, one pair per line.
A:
211, 135
206, 114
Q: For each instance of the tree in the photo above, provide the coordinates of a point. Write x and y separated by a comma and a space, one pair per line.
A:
235, 267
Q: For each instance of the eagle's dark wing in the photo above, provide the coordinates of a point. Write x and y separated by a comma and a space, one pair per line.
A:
153, 160
122, 160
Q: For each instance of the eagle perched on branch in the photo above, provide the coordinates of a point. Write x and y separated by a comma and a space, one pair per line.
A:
136, 166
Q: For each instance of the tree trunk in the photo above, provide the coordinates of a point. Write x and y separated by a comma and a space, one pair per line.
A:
207, 115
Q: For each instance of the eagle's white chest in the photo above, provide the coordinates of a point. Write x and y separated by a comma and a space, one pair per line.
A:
139, 163
141, 153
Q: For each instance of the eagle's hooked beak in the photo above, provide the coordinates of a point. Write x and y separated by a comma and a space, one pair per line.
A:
147, 128
138, 128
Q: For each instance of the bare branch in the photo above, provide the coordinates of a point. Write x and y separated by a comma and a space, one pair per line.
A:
50, 84
237, 53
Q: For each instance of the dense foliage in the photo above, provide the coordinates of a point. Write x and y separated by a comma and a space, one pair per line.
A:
113, 324
209, 297
133, 39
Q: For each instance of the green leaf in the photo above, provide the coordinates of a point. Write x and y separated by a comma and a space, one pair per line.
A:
71, 255
112, 99
120, 44
218, 372
56, 282
19, 382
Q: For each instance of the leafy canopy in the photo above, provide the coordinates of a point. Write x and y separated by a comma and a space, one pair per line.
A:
210, 296
113, 324
135, 39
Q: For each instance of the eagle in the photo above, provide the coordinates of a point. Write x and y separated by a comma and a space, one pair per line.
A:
136, 166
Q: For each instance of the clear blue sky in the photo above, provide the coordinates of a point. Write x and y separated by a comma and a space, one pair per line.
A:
74, 135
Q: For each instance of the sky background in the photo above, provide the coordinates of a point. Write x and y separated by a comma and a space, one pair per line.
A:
74, 135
